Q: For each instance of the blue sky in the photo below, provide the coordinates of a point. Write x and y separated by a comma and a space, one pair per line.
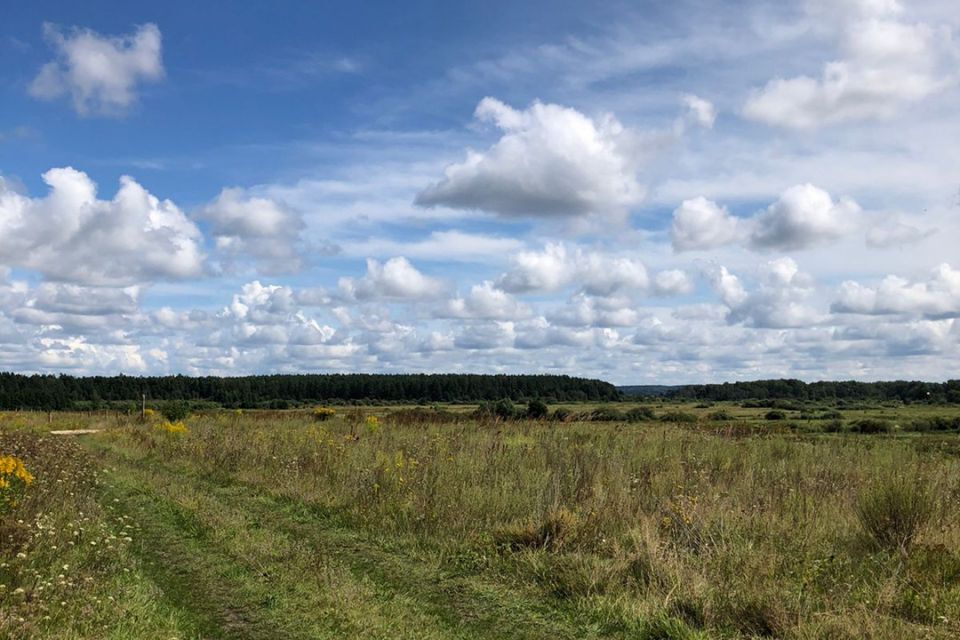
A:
644, 193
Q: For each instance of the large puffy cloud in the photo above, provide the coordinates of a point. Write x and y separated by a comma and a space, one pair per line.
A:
262, 228
700, 223
395, 279
670, 282
487, 335
269, 315
66, 298
588, 311
886, 63
540, 334
486, 301
557, 267
937, 297
802, 217
551, 161
594, 273
72, 236
99, 73
779, 302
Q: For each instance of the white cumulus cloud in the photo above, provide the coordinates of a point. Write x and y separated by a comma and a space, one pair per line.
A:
551, 161
395, 279
70, 235
557, 267
486, 301
99, 73
778, 302
938, 296
886, 64
262, 228
802, 217
700, 223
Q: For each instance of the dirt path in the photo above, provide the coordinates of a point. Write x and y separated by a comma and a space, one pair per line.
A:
249, 565
74, 432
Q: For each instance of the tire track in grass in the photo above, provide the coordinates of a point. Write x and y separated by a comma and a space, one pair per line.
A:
440, 603
230, 596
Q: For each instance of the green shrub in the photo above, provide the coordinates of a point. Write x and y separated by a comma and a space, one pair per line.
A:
871, 425
678, 416
606, 414
935, 423
503, 409
775, 415
537, 410
894, 511
175, 410
721, 415
640, 414
833, 426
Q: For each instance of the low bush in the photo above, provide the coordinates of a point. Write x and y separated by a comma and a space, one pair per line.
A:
871, 425
322, 414
775, 415
893, 512
721, 415
605, 414
175, 410
935, 423
537, 410
833, 426
678, 416
503, 409
640, 414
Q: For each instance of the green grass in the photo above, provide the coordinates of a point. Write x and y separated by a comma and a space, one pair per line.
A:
275, 525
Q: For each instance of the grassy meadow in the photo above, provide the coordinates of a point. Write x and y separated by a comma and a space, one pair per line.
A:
682, 521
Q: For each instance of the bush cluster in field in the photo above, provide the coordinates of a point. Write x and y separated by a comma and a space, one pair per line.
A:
679, 522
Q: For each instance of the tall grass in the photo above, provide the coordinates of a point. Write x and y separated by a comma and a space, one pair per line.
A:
647, 529
754, 536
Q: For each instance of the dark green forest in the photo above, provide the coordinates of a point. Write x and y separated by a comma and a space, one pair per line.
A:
900, 390
63, 392
49, 392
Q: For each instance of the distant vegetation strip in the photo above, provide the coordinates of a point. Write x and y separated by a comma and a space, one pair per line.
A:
50, 392
281, 391
899, 390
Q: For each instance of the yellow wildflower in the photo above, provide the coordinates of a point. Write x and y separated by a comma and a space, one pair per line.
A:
323, 413
175, 428
14, 479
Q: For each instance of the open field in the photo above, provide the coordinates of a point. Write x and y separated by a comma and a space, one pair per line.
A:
417, 524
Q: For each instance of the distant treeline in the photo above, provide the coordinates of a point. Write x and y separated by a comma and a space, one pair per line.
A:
49, 392
900, 390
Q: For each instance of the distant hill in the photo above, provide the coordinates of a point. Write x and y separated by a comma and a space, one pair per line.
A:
647, 390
